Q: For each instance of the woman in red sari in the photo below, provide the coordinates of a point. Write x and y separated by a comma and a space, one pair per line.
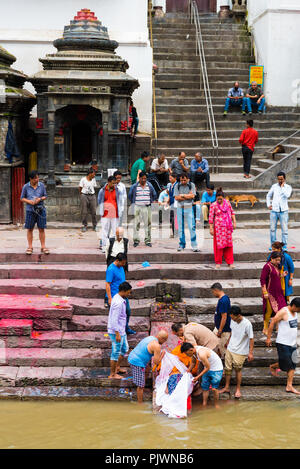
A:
222, 223
273, 295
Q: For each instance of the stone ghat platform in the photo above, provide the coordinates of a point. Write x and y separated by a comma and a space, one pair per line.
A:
53, 323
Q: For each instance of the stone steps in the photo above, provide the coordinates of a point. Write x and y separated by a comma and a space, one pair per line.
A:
96, 289
223, 124
223, 135
97, 272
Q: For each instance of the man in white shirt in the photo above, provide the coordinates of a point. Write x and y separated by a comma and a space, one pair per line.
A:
115, 246
239, 348
88, 198
160, 168
277, 202
123, 195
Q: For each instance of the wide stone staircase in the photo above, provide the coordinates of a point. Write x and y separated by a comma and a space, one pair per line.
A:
53, 323
182, 115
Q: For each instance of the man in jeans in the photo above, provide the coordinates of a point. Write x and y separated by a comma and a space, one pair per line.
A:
235, 97
248, 140
222, 317
184, 193
199, 169
277, 203
88, 198
116, 329
255, 97
34, 194
142, 194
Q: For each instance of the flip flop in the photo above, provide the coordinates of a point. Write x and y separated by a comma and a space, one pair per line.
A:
45, 251
29, 251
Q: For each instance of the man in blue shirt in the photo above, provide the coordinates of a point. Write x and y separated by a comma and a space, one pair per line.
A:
115, 275
222, 317
235, 97
34, 194
208, 197
199, 169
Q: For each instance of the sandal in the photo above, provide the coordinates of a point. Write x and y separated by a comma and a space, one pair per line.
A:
45, 251
29, 251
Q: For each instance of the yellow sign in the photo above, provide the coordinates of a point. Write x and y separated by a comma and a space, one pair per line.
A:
257, 74
58, 140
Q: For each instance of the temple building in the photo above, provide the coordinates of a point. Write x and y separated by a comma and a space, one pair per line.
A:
15, 106
83, 95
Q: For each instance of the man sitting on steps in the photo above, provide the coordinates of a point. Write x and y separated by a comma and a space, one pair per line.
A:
255, 97
235, 97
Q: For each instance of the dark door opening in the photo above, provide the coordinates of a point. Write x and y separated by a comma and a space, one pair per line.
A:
182, 5
81, 143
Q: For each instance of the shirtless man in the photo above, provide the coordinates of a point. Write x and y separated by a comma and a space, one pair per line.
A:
286, 342
212, 372
140, 357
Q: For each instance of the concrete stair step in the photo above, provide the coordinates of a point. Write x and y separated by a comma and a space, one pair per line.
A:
202, 143
224, 124
70, 393
137, 272
67, 339
96, 289
262, 377
15, 327
222, 134
99, 323
214, 62
263, 393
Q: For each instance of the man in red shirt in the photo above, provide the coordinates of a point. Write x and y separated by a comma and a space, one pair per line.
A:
248, 139
109, 202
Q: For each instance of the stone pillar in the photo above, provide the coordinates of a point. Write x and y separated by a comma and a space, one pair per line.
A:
105, 161
67, 165
51, 134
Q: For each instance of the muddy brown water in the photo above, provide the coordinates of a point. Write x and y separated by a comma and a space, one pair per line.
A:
96, 424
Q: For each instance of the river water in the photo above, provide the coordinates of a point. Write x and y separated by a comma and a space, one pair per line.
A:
121, 425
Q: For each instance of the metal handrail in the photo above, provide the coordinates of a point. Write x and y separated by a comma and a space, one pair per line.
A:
153, 76
194, 17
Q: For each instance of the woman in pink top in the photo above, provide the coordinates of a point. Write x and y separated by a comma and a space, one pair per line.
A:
222, 223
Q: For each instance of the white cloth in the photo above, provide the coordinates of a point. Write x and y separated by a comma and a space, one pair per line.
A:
288, 330
214, 360
156, 166
88, 187
241, 333
123, 196
278, 197
109, 226
174, 405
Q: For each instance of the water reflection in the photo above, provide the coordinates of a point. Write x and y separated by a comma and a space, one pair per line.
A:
126, 425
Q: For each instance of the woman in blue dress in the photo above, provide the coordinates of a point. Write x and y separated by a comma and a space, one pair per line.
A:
287, 270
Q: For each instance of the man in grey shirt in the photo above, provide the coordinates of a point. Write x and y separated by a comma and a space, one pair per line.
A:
184, 194
179, 165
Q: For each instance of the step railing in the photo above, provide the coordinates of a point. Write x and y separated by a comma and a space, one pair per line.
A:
204, 83
294, 134
153, 79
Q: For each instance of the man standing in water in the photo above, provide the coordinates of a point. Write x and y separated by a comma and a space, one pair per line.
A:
286, 342
141, 355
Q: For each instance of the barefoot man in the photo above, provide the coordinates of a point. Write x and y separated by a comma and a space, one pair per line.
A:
141, 355
239, 348
286, 342
116, 329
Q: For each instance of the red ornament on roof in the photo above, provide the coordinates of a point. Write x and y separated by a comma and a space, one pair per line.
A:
85, 15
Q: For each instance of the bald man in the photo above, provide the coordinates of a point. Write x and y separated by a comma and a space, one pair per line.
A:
140, 357
116, 245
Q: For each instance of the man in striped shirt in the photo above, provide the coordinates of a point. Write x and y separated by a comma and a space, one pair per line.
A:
142, 194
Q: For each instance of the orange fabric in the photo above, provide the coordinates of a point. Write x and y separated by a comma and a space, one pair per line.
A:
110, 204
183, 358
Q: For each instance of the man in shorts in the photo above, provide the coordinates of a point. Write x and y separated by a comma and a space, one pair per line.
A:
140, 357
212, 372
286, 342
116, 329
33, 194
239, 348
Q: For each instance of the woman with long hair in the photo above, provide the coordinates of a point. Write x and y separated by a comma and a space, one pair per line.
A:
273, 296
222, 222
286, 268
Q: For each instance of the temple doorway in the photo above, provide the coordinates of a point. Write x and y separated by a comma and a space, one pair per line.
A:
81, 143
182, 5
